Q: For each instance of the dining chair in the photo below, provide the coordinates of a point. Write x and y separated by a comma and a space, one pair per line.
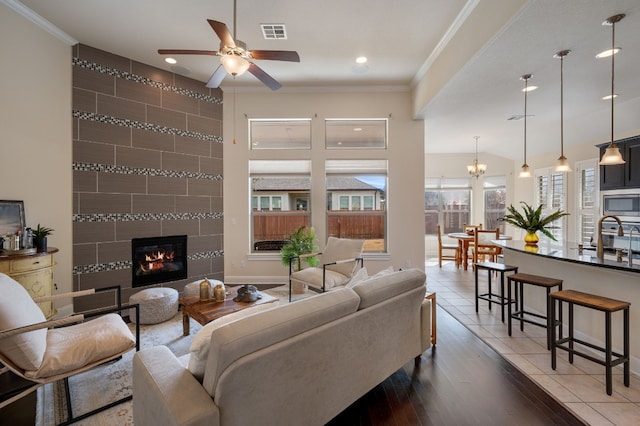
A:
482, 245
442, 247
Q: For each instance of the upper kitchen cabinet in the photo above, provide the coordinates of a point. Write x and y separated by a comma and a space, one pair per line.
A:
625, 175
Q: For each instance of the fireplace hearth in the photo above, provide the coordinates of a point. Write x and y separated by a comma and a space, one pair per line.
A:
158, 259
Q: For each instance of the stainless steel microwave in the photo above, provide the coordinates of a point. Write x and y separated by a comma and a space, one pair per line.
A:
624, 203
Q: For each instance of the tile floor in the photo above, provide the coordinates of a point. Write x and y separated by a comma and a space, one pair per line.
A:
580, 386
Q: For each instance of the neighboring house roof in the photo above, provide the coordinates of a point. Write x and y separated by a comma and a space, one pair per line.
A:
334, 183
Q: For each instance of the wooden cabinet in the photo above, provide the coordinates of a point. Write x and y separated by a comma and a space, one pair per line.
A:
35, 273
622, 175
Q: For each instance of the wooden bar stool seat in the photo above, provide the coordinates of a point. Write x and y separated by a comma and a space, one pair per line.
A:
489, 296
523, 315
602, 304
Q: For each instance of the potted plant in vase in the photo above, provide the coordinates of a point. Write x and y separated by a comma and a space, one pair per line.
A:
532, 221
40, 237
301, 242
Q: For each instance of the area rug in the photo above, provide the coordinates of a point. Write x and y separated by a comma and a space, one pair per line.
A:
110, 382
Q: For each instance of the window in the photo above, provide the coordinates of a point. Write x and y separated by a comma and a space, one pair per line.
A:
358, 133
280, 134
356, 201
446, 202
551, 192
280, 194
587, 173
495, 207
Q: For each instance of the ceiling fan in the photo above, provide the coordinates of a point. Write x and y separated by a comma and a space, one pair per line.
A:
235, 58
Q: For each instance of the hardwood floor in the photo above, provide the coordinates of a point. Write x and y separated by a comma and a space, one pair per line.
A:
462, 381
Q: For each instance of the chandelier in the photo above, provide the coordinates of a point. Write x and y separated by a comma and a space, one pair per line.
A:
476, 169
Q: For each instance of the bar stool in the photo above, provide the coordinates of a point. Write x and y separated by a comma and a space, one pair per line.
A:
538, 281
603, 304
489, 296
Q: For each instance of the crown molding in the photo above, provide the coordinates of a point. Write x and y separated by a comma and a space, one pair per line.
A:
20, 8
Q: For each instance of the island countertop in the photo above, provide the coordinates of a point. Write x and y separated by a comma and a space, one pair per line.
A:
569, 252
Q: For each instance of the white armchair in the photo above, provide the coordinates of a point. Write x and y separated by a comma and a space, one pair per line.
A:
339, 262
42, 351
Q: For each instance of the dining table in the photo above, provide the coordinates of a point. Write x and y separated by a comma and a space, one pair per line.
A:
464, 238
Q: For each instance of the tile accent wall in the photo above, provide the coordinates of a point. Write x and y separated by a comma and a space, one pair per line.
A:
147, 161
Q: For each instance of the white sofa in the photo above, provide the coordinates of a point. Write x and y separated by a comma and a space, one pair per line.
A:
298, 363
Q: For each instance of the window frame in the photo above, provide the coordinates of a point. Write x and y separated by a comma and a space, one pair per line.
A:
372, 222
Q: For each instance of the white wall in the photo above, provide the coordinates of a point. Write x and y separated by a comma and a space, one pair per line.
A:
406, 165
35, 146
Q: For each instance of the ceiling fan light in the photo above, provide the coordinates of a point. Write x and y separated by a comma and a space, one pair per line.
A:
612, 156
234, 64
563, 165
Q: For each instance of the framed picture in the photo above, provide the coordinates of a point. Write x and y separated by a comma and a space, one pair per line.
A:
11, 217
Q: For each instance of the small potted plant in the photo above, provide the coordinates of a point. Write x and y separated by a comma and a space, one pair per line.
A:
532, 221
40, 237
301, 242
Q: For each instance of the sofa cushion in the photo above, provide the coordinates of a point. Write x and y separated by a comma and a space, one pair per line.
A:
18, 309
199, 349
340, 249
269, 327
382, 287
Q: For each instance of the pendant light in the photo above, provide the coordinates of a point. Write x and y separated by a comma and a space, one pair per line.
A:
612, 155
563, 163
476, 169
524, 171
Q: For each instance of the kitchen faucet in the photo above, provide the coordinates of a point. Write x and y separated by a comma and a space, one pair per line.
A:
600, 252
630, 254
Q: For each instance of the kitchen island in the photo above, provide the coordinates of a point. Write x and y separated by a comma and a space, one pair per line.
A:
582, 271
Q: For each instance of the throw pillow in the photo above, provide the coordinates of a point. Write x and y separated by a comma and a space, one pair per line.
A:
359, 276
18, 309
199, 349
386, 271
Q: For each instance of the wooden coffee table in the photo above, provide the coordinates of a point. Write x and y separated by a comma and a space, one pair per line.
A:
205, 312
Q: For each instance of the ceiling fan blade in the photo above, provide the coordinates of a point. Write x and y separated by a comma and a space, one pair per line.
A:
276, 55
223, 33
264, 77
217, 77
186, 52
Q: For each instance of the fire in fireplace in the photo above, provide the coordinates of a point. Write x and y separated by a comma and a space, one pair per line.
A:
158, 259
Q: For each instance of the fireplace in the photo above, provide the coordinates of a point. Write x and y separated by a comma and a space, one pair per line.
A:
158, 259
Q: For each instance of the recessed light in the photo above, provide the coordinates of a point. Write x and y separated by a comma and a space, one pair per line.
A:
530, 89
361, 59
170, 61
357, 129
607, 53
608, 97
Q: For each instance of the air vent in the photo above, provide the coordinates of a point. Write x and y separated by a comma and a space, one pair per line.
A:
274, 31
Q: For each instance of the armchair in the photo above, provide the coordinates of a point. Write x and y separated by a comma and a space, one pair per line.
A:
42, 351
339, 262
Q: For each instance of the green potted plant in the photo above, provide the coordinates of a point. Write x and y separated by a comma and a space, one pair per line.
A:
40, 237
532, 221
301, 242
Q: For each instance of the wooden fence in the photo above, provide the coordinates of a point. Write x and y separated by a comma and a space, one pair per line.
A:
274, 226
